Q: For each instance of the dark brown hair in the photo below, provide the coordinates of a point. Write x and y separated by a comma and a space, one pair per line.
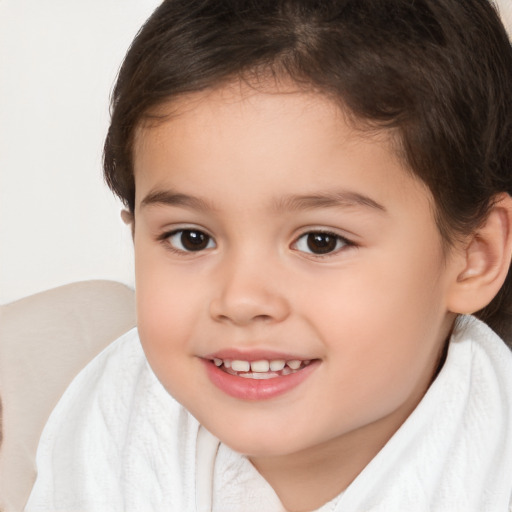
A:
438, 72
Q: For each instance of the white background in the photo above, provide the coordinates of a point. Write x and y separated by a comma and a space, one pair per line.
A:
58, 60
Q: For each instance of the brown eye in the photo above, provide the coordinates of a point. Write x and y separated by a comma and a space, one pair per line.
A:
319, 242
190, 240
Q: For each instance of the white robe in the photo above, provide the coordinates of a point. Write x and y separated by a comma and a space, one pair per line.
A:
117, 441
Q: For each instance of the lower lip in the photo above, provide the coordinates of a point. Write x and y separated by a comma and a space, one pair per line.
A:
256, 389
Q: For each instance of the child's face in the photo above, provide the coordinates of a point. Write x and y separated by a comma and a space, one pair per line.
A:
267, 229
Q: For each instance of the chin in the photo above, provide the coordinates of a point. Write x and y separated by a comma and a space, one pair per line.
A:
258, 443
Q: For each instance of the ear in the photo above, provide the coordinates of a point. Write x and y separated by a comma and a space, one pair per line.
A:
128, 219
484, 260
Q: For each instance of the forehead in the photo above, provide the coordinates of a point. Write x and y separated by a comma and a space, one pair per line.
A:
235, 103
281, 137
258, 106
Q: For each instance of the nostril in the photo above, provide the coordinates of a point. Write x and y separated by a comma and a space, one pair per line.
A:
249, 307
263, 318
242, 319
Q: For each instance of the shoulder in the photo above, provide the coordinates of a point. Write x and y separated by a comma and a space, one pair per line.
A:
103, 396
481, 360
103, 440
479, 356
107, 381
483, 345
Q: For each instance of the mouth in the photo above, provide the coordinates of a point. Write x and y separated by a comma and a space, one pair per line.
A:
257, 378
261, 369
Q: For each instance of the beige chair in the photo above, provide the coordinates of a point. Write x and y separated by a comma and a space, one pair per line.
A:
45, 340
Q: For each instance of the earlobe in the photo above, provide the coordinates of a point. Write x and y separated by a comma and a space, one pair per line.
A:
127, 216
128, 219
485, 260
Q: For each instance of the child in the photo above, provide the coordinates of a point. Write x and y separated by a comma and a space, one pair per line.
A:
317, 190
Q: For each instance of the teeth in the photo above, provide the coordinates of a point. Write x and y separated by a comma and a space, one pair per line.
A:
240, 366
260, 366
277, 365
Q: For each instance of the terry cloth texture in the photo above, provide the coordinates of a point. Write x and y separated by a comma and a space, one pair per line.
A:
119, 442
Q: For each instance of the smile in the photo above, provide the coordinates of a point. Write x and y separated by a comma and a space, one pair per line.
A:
259, 378
261, 369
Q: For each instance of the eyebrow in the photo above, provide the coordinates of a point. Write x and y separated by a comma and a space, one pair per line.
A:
171, 198
336, 199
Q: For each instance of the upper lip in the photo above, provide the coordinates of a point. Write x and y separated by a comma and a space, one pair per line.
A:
254, 355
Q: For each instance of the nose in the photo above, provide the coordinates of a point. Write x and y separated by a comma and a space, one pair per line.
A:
248, 293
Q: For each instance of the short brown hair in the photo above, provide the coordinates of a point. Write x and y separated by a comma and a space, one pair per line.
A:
438, 72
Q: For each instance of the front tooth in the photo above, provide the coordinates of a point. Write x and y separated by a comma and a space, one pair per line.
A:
295, 364
217, 362
240, 366
260, 366
227, 363
277, 365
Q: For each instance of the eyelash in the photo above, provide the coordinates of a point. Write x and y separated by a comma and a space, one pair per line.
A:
206, 244
165, 239
338, 239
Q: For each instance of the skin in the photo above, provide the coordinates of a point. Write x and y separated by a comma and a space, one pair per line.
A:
374, 312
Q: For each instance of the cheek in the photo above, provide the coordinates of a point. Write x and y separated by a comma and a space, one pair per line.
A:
165, 320
167, 303
382, 324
